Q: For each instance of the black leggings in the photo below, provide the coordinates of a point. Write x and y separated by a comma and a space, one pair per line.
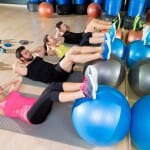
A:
43, 106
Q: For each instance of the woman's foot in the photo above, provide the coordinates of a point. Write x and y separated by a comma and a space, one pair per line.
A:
106, 47
90, 83
112, 32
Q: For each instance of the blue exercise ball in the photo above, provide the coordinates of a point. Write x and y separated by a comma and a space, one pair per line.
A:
140, 123
80, 2
148, 4
113, 7
104, 121
35, 1
100, 2
118, 48
136, 51
63, 2
50, 1
136, 7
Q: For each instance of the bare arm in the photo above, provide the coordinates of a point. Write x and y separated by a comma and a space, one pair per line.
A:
39, 51
60, 40
58, 33
14, 84
59, 37
20, 69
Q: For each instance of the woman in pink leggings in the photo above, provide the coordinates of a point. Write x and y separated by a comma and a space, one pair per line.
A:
13, 104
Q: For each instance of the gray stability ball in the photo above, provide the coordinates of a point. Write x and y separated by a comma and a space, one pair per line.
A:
111, 72
139, 77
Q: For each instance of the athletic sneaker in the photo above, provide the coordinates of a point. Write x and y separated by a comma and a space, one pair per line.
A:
148, 40
117, 21
146, 35
112, 32
106, 49
107, 37
90, 82
137, 23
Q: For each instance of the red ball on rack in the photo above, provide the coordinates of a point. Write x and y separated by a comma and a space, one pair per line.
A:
46, 10
94, 10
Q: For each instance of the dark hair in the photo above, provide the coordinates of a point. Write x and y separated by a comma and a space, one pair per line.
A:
45, 40
58, 24
19, 50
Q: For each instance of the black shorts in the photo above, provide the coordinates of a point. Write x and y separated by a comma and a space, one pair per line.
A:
43, 106
60, 75
85, 39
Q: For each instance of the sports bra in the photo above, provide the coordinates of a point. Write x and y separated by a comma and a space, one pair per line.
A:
61, 50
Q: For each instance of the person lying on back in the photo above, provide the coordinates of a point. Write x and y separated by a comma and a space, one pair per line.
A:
37, 69
91, 35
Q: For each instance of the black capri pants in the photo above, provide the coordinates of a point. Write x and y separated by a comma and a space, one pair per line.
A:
43, 106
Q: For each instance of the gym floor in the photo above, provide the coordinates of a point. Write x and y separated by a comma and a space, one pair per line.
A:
19, 24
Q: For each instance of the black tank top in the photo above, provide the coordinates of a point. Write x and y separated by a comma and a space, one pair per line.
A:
40, 70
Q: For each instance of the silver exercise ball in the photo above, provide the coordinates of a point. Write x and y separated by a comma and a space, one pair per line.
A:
110, 72
139, 77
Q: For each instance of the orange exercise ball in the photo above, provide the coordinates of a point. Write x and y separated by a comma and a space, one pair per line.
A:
46, 9
94, 10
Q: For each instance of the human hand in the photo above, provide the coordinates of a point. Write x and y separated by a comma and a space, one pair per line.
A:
1, 89
58, 32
